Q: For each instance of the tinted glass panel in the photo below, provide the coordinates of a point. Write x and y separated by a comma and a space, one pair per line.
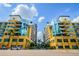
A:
67, 47
72, 40
59, 40
20, 40
65, 40
6, 40
60, 47
75, 47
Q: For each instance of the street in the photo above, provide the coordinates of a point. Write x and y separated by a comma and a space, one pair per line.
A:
39, 52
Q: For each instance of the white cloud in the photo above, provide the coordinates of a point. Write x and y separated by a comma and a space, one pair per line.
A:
7, 5
25, 11
76, 19
41, 19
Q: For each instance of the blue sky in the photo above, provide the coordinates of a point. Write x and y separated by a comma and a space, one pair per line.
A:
43, 12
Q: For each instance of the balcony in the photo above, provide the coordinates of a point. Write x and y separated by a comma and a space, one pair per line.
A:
20, 40
72, 40
67, 47
65, 40
14, 40
0, 40
74, 46
60, 47
59, 40
60, 24
63, 30
7, 40
18, 22
17, 34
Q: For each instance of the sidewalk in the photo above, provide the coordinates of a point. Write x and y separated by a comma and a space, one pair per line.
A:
39, 52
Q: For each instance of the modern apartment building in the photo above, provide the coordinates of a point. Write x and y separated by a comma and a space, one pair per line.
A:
16, 33
62, 34
33, 32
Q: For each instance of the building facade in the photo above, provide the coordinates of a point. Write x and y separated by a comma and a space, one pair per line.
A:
33, 32
63, 34
15, 34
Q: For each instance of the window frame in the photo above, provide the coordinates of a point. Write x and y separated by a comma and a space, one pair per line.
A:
58, 40
6, 40
20, 39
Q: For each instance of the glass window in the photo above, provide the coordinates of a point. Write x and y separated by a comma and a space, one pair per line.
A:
59, 40
72, 40
20, 40
67, 47
58, 34
74, 46
62, 27
3, 46
63, 30
6, 40
14, 18
17, 34
65, 40
20, 46
60, 47
13, 46
0, 40
64, 34
14, 40
60, 23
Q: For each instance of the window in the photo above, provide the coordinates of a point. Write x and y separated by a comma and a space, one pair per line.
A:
74, 46
3, 46
58, 34
5, 33
10, 23
59, 40
6, 40
65, 40
17, 30
14, 18
60, 23
60, 47
53, 47
14, 40
24, 24
67, 47
63, 30
20, 46
17, 34
14, 46
20, 40
50, 27
18, 26
65, 34
0, 40
77, 24
18, 22
72, 40
62, 27
78, 40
